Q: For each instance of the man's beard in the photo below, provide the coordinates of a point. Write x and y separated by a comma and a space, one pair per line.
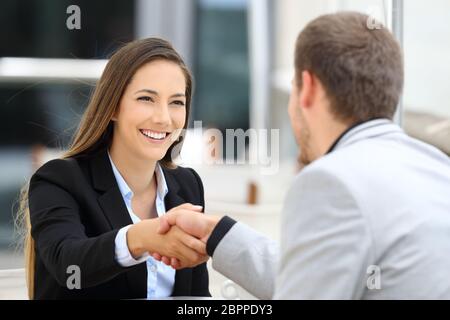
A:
305, 156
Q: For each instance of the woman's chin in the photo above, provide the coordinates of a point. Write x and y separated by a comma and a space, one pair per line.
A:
153, 155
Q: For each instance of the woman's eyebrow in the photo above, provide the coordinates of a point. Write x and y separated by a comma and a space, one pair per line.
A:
148, 91
156, 93
182, 95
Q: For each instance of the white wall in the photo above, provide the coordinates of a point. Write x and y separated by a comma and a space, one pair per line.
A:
291, 16
426, 45
427, 56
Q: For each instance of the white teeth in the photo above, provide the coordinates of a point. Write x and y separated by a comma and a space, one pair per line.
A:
154, 135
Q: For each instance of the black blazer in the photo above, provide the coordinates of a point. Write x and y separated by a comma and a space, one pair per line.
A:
76, 210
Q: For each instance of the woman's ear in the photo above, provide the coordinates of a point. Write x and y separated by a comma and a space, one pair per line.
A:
114, 117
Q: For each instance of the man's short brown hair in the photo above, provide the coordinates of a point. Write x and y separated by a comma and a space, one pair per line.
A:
361, 68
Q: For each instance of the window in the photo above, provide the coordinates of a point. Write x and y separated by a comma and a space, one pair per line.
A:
46, 76
222, 64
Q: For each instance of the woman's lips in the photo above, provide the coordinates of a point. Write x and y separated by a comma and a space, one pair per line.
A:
154, 136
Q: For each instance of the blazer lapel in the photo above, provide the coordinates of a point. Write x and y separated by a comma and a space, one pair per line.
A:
183, 278
111, 200
172, 199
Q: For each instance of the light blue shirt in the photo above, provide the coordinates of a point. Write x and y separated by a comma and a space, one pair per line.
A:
160, 277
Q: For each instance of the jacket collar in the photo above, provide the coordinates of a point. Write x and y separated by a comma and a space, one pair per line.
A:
365, 130
173, 197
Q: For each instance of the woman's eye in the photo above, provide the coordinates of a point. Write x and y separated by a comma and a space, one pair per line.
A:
178, 103
145, 98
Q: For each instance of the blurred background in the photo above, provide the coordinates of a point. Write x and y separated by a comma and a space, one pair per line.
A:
241, 55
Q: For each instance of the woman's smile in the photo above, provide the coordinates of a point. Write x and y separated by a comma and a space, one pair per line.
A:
155, 136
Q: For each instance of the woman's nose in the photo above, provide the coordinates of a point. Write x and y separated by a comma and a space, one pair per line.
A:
161, 114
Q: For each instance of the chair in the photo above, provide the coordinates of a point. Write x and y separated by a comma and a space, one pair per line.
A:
13, 285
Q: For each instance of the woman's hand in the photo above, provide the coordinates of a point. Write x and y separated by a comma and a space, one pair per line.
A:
197, 225
188, 250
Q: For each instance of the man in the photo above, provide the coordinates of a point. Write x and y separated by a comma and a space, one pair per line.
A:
369, 215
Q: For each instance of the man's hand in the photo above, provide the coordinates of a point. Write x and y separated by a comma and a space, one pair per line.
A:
185, 248
191, 221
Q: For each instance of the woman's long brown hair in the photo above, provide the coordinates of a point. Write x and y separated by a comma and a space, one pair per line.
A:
96, 128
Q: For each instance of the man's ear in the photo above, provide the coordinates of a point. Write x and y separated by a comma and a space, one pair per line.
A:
307, 91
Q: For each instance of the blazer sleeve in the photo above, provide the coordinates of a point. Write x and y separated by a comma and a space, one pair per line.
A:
248, 258
59, 234
200, 277
326, 241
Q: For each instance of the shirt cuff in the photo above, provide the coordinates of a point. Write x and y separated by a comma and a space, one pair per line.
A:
221, 229
123, 255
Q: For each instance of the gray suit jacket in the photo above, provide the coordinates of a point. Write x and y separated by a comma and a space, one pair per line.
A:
370, 220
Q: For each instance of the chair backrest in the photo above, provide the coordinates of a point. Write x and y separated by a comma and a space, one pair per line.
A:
13, 285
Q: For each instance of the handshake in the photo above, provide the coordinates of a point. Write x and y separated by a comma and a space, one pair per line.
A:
177, 238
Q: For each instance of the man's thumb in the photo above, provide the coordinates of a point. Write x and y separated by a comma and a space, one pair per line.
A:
164, 225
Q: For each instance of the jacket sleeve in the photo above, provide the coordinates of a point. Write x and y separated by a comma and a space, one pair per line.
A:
325, 243
59, 234
248, 258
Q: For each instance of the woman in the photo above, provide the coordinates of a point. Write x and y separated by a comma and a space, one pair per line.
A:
93, 215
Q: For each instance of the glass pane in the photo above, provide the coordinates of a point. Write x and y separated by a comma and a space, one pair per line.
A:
45, 114
34, 117
222, 66
427, 69
37, 28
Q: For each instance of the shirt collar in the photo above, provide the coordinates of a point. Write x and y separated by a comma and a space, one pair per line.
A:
127, 193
